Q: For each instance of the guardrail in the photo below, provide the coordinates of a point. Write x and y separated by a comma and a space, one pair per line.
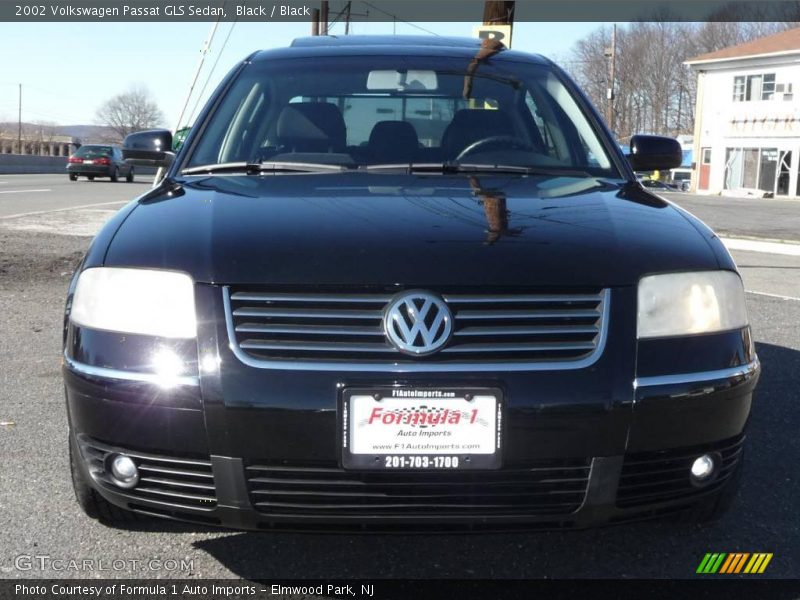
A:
29, 163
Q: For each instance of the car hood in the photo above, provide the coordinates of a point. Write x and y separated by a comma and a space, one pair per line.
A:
397, 229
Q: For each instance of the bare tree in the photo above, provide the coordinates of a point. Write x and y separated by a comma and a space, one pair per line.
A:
130, 111
654, 91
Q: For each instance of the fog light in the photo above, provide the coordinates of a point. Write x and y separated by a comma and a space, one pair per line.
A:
703, 467
124, 470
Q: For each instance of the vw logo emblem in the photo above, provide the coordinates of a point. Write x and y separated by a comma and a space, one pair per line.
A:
418, 322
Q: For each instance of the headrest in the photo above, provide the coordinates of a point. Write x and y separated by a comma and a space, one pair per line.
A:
393, 141
312, 127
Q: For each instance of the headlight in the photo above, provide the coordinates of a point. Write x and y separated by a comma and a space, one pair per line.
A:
686, 303
158, 303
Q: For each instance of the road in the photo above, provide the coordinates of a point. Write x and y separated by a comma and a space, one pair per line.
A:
38, 514
746, 217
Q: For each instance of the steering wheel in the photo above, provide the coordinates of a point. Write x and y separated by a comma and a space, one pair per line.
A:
507, 142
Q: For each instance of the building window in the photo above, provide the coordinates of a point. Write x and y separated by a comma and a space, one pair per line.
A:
738, 89
754, 87
768, 86
751, 168
706, 158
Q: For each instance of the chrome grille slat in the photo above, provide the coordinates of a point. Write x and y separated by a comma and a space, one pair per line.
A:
309, 313
293, 329
556, 346
525, 314
534, 330
489, 298
309, 329
259, 297
316, 347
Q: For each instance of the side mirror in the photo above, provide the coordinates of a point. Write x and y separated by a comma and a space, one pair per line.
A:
654, 153
152, 148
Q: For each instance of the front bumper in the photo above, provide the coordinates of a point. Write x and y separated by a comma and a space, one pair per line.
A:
675, 419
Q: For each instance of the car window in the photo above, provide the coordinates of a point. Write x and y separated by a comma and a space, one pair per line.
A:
93, 151
350, 110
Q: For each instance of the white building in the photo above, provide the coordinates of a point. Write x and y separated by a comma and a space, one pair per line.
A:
747, 123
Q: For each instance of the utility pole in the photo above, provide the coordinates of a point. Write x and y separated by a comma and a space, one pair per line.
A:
612, 53
19, 122
314, 21
498, 12
323, 18
203, 52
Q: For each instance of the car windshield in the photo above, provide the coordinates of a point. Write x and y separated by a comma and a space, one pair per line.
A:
372, 111
93, 151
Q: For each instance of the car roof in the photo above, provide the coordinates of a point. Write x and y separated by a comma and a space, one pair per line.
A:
387, 45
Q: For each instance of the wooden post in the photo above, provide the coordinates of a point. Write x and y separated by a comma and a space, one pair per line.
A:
323, 18
498, 12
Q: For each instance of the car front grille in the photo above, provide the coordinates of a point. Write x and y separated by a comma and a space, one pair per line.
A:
172, 483
662, 476
544, 489
553, 328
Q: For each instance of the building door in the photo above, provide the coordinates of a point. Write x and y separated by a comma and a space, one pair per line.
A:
705, 169
784, 173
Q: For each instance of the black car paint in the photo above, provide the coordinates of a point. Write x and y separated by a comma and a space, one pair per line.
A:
384, 229
394, 231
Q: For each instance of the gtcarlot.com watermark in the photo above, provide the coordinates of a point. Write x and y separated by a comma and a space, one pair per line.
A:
44, 562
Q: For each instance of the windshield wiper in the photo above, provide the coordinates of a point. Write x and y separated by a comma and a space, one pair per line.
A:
477, 168
255, 168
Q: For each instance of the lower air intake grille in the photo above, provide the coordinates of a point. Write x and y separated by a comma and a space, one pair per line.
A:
549, 326
651, 477
556, 488
170, 482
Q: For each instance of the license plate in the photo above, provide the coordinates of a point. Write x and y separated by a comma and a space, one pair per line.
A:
421, 428
88, 162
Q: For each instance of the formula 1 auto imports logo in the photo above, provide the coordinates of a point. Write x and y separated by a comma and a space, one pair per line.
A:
724, 563
423, 416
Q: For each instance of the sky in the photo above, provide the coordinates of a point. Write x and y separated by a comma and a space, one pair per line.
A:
67, 70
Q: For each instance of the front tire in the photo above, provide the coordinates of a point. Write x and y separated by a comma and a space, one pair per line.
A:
129, 177
115, 175
92, 503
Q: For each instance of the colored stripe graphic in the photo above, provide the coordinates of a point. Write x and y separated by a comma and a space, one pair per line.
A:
758, 563
733, 563
741, 562
711, 562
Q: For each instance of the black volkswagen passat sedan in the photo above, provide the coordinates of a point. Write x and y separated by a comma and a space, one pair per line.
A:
404, 284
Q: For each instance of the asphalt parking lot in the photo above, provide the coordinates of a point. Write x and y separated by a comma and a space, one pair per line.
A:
44, 233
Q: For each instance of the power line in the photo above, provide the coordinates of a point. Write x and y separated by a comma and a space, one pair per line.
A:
190, 120
394, 17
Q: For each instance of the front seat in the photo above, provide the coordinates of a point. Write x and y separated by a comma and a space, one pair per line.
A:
311, 127
393, 141
472, 124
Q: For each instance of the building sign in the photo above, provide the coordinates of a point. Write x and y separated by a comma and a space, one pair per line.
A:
766, 126
494, 32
